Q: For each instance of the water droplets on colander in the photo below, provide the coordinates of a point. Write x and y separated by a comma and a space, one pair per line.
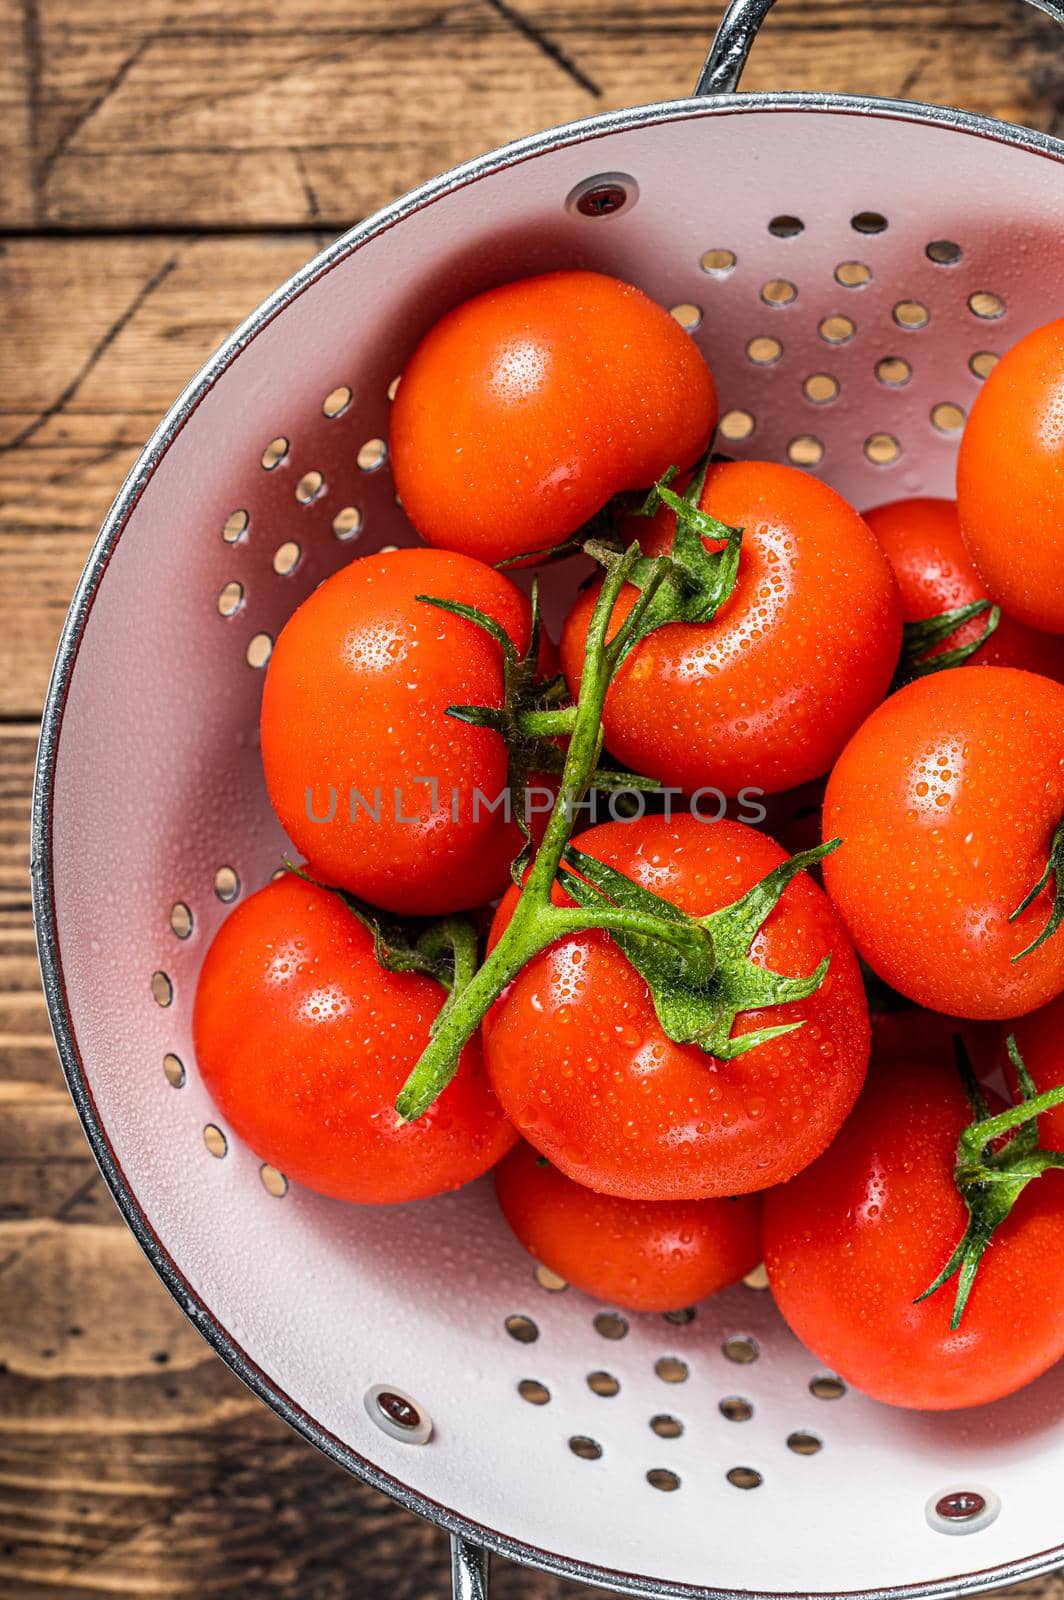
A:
853, 268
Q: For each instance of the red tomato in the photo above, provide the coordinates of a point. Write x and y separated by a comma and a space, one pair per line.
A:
583, 1067
922, 541
855, 1238
1040, 1041
356, 699
303, 1042
1010, 480
645, 1255
766, 694
946, 801
527, 408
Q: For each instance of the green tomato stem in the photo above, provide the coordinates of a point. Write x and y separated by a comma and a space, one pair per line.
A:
537, 921
1054, 868
547, 724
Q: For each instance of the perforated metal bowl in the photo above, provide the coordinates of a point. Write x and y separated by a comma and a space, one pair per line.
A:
852, 267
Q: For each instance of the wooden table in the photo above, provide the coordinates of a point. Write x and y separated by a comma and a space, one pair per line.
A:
166, 164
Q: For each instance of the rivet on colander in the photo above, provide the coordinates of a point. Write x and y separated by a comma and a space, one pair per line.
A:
605, 195
964, 1510
397, 1415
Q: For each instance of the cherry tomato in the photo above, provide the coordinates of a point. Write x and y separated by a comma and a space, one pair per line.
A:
584, 1069
645, 1255
766, 694
303, 1042
855, 1238
1040, 1041
946, 801
381, 790
527, 408
1010, 480
922, 541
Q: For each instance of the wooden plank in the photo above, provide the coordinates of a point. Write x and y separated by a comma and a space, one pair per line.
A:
82, 387
19, 63
241, 115
18, 748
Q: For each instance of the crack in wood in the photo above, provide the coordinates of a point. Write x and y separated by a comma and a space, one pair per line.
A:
102, 345
546, 45
71, 132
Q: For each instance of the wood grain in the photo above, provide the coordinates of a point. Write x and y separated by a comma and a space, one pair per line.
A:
161, 168
274, 115
80, 392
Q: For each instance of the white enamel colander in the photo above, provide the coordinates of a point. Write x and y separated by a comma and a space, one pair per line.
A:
851, 267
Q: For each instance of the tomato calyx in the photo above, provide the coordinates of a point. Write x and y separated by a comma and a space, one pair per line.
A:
918, 638
1054, 869
700, 1006
443, 948
698, 581
991, 1176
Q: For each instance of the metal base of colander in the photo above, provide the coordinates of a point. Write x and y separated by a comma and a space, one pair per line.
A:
852, 266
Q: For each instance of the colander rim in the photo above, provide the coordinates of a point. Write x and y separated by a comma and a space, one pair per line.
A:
43, 900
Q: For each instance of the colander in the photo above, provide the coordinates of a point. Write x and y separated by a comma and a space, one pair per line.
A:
852, 267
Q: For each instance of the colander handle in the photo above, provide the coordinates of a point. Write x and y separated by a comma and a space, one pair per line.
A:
739, 28
469, 1570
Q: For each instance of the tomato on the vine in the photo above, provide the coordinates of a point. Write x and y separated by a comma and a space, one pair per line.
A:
949, 800
922, 541
767, 693
1010, 480
303, 1042
376, 785
645, 1255
855, 1239
524, 410
583, 1067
